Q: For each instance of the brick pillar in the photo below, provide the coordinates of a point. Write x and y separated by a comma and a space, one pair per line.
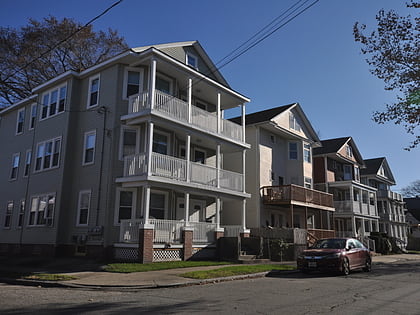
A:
245, 233
146, 244
187, 235
219, 233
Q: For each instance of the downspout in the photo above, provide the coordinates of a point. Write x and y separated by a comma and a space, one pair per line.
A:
102, 110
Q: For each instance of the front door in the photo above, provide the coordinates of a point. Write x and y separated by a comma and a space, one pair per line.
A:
196, 211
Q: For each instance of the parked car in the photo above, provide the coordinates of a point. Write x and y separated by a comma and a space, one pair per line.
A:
336, 255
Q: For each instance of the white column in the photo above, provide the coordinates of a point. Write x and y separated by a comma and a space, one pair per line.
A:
190, 85
353, 225
217, 213
218, 113
218, 163
152, 83
243, 170
187, 208
243, 121
187, 156
149, 150
146, 204
244, 214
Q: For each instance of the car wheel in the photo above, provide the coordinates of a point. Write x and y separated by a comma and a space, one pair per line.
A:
368, 265
345, 267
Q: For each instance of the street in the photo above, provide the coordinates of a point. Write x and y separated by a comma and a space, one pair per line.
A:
391, 288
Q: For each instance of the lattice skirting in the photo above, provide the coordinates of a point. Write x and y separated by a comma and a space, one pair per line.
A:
168, 254
126, 253
204, 253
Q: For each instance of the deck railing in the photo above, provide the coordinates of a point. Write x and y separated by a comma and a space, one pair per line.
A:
176, 169
203, 232
232, 230
178, 109
167, 231
289, 193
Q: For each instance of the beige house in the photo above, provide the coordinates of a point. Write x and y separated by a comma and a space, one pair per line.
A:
279, 172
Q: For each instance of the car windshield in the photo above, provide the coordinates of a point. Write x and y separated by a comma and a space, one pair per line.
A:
330, 243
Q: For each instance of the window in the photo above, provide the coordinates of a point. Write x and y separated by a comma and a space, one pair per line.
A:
191, 60
128, 142
199, 156
349, 151
15, 166
164, 84
364, 196
307, 152
157, 205
356, 173
293, 123
33, 116
160, 143
293, 153
126, 200
48, 154
89, 148
8, 215
83, 208
133, 82
28, 159
372, 199
93, 94
53, 102
381, 171
308, 182
356, 195
272, 138
21, 213
42, 210
347, 172
20, 121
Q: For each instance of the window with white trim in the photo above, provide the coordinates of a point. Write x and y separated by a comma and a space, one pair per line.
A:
83, 208
34, 111
21, 213
191, 60
42, 210
89, 148
53, 102
133, 81
48, 154
20, 121
15, 166
126, 201
293, 123
200, 156
128, 141
93, 94
349, 151
293, 151
8, 215
28, 159
160, 142
307, 152
158, 205
164, 84
308, 182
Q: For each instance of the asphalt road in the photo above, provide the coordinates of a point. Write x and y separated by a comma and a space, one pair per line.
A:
392, 288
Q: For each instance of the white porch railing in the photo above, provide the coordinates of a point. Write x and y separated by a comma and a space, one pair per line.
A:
178, 109
203, 232
135, 165
129, 230
203, 174
231, 180
168, 166
232, 230
167, 231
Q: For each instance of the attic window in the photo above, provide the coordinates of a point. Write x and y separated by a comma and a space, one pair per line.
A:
349, 151
381, 171
293, 123
191, 60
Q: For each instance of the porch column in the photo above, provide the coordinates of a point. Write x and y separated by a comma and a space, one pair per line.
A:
243, 121
150, 149
187, 157
218, 112
186, 208
245, 232
353, 225
243, 170
306, 218
152, 84
219, 232
218, 162
146, 204
190, 84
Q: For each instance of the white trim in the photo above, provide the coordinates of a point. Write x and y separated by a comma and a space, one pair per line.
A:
89, 92
168, 142
140, 70
166, 195
87, 134
31, 117
13, 167
39, 196
121, 143
20, 123
29, 151
89, 192
12, 107
117, 203
57, 103
53, 140
8, 214
54, 80
191, 55
289, 151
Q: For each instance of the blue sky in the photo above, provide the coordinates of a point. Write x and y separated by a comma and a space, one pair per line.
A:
313, 60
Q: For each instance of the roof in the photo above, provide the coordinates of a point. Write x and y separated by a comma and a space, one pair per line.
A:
331, 145
262, 116
413, 206
372, 166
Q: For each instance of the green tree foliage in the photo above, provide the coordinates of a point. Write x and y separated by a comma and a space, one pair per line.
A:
412, 190
393, 52
44, 49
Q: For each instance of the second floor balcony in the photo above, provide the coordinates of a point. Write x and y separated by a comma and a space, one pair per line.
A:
294, 194
185, 113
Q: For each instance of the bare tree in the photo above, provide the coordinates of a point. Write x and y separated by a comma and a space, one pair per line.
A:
412, 190
44, 49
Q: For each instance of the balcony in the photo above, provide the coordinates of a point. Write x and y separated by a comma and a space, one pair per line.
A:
389, 194
192, 116
173, 168
293, 194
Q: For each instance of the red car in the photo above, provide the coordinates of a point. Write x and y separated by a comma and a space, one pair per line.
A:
335, 254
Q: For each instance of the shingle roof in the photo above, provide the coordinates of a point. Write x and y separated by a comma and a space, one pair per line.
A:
413, 206
262, 116
372, 166
330, 145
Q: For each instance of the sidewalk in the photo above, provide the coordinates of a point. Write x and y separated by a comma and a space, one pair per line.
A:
162, 278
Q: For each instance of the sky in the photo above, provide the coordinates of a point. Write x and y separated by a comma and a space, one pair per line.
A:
313, 60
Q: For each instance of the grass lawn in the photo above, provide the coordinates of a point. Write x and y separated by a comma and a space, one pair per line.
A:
136, 267
48, 277
414, 252
234, 271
